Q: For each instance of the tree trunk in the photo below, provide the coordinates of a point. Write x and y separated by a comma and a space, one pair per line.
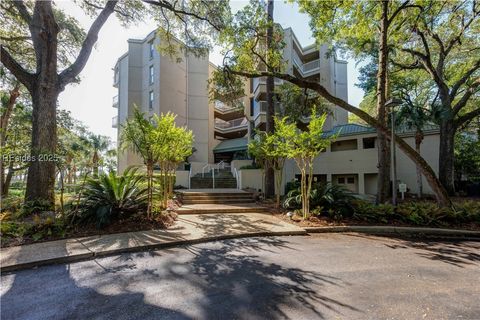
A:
44, 92
447, 156
4, 120
270, 87
8, 179
383, 179
418, 142
41, 173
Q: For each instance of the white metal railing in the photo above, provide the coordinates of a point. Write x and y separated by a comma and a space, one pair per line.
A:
115, 122
237, 178
115, 102
236, 123
190, 177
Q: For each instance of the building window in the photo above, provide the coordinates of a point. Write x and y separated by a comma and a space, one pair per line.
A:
341, 180
369, 143
151, 74
150, 100
151, 49
344, 145
350, 180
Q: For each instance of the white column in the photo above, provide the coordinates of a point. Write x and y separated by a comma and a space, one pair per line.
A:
361, 183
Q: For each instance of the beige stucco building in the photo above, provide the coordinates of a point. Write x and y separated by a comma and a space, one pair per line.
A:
158, 84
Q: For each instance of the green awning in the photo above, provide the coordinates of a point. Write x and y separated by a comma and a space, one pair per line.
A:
240, 144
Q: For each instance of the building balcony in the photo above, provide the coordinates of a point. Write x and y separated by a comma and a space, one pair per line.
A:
305, 68
116, 76
229, 112
115, 122
236, 128
115, 102
260, 87
259, 114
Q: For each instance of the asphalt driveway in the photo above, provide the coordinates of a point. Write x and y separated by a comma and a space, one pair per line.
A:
331, 276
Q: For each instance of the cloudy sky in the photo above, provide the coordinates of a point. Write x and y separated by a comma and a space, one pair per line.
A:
91, 100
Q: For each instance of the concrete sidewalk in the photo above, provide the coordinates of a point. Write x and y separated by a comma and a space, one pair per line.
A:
187, 229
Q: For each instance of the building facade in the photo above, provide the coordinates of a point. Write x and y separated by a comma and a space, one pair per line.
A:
157, 84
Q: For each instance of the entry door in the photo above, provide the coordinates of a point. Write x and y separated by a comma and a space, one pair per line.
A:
347, 181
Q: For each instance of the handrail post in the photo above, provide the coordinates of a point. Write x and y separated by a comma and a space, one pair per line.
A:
213, 178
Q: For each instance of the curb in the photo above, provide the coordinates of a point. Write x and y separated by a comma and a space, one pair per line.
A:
94, 254
378, 230
387, 230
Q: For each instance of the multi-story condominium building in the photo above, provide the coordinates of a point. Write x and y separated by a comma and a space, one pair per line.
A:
158, 84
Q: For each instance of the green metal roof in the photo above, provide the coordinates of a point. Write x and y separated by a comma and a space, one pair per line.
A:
350, 129
239, 144
354, 128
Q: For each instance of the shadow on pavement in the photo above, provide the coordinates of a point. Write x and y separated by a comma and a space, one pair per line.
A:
456, 252
221, 280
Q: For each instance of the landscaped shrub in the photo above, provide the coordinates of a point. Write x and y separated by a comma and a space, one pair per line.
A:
369, 212
291, 185
110, 197
335, 201
419, 213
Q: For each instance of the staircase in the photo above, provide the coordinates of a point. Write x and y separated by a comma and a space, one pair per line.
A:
218, 201
223, 179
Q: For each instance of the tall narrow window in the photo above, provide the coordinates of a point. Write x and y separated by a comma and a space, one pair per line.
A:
151, 74
150, 100
151, 49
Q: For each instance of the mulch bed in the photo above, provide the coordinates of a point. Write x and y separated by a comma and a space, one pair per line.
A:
323, 221
137, 222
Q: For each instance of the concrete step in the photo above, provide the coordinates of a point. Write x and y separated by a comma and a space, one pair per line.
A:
221, 208
222, 197
216, 201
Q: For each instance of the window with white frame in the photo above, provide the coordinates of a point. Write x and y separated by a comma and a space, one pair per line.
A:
150, 100
151, 49
150, 74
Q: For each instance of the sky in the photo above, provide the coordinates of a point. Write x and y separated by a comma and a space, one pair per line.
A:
90, 101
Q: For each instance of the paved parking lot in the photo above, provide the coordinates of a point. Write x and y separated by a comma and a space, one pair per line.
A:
331, 276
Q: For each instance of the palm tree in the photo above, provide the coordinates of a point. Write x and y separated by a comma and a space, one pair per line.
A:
98, 144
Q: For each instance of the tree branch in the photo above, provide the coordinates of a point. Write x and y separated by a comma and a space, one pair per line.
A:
467, 117
68, 75
23, 11
464, 79
16, 69
167, 5
466, 96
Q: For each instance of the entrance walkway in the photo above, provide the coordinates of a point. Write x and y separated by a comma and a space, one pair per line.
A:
187, 229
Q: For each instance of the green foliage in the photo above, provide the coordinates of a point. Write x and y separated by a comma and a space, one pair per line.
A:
303, 147
110, 197
418, 213
467, 155
335, 200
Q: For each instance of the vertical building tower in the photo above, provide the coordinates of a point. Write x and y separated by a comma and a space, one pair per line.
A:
159, 84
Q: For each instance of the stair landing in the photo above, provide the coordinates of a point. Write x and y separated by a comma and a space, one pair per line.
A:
198, 201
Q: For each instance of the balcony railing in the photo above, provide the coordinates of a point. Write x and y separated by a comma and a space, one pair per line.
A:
232, 124
115, 102
224, 108
115, 122
259, 107
305, 67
